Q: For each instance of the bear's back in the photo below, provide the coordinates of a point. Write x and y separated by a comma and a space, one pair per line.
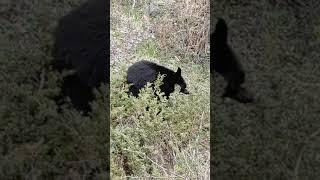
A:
145, 71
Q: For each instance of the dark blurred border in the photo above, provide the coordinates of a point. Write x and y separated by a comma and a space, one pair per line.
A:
37, 142
277, 136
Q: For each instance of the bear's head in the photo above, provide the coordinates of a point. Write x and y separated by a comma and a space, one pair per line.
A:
180, 81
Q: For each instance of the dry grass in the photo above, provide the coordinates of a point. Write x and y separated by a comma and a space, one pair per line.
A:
183, 27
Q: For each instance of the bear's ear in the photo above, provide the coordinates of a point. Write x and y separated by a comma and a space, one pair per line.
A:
178, 73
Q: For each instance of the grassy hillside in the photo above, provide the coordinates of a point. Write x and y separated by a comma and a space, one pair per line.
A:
171, 140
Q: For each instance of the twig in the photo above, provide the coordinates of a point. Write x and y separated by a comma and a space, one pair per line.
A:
41, 79
296, 169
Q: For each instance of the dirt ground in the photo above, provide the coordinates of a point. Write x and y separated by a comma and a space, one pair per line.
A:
277, 136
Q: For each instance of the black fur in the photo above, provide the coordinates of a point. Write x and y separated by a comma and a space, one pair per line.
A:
145, 71
81, 44
224, 62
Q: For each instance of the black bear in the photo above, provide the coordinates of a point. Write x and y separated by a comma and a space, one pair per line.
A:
226, 64
81, 45
145, 71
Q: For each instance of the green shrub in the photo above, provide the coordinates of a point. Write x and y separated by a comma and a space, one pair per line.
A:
142, 141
